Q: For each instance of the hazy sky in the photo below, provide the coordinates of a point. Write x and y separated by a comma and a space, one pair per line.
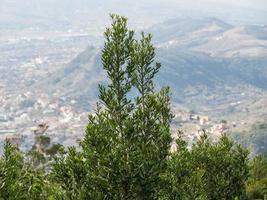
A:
259, 4
83, 13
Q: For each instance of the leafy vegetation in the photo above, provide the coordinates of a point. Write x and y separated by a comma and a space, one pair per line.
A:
19, 180
207, 170
126, 151
257, 184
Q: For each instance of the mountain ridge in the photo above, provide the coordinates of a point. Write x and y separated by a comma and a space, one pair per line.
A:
184, 64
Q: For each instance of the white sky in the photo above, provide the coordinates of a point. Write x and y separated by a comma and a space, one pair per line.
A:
259, 4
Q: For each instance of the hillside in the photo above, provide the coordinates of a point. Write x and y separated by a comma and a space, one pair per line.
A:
78, 79
205, 61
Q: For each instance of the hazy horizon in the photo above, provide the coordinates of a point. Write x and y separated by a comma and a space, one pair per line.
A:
58, 14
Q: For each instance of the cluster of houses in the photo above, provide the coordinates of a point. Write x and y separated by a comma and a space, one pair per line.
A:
26, 114
194, 124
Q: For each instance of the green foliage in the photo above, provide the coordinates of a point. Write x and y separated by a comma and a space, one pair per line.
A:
226, 169
18, 180
70, 172
11, 166
44, 141
125, 154
257, 184
258, 168
42, 152
183, 178
207, 171
53, 150
127, 140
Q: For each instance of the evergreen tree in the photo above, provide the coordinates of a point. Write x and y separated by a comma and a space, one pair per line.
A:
127, 139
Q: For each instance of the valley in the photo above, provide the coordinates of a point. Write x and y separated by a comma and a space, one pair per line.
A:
217, 73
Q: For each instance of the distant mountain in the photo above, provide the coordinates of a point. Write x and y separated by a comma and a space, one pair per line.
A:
181, 69
213, 37
200, 57
77, 80
47, 15
174, 30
